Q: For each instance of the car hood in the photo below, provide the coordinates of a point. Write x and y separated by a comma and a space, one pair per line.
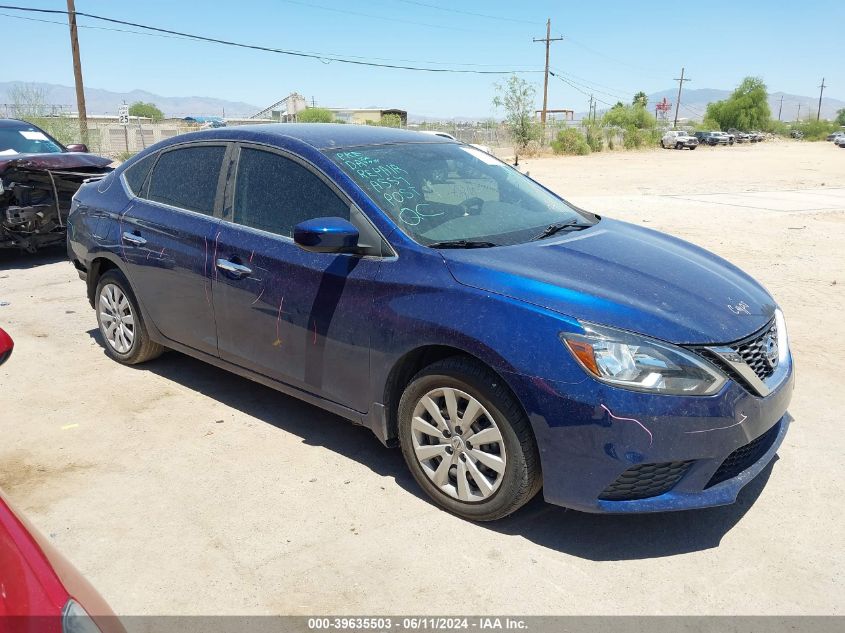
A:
57, 161
625, 276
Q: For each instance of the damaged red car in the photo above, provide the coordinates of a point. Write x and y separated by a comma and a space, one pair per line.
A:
38, 177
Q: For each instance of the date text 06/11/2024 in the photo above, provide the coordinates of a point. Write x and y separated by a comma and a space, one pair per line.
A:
416, 624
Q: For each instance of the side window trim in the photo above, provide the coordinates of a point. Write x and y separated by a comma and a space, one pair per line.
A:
142, 193
221, 177
355, 214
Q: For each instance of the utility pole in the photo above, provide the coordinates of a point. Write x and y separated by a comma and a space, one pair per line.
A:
591, 116
548, 40
821, 92
780, 108
798, 116
77, 72
680, 81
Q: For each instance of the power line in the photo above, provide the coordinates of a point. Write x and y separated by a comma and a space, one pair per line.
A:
585, 84
589, 83
471, 13
586, 94
179, 37
322, 57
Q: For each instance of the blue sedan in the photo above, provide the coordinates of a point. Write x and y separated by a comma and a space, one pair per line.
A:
505, 339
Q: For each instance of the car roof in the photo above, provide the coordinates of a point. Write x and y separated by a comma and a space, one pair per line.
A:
14, 123
326, 135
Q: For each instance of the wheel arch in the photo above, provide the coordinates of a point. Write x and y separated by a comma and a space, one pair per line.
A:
414, 361
102, 263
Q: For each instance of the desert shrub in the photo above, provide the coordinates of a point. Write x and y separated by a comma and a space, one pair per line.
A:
594, 135
390, 120
315, 115
532, 149
634, 138
816, 130
570, 141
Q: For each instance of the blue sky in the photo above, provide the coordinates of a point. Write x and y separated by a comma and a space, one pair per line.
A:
610, 46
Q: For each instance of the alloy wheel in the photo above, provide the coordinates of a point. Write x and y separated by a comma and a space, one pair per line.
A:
117, 322
458, 444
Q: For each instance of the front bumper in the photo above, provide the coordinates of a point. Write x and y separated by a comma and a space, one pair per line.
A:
590, 434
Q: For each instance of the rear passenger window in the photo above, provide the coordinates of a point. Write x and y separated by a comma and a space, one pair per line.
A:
187, 178
137, 173
274, 194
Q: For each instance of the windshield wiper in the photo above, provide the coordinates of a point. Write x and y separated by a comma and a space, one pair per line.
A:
461, 244
569, 225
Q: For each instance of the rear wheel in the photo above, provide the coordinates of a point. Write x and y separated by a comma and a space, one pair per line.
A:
125, 337
467, 441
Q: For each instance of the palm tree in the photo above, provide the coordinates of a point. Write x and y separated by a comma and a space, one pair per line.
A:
640, 99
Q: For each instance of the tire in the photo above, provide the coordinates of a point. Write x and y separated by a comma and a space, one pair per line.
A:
498, 415
692, 147
662, 144
679, 146
125, 337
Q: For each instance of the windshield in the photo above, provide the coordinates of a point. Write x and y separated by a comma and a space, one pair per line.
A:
26, 140
446, 192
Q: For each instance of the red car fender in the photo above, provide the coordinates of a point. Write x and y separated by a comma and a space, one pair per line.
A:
37, 581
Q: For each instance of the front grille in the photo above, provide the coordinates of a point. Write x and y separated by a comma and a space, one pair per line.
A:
645, 480
753, 351
744, 457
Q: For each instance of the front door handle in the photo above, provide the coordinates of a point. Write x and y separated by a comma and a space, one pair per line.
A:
135, 240
238, 270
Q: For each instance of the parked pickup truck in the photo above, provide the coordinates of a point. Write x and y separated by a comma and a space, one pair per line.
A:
678, 139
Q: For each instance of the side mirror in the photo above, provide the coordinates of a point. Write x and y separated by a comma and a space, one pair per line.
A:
326, 235
6, 346
78, 147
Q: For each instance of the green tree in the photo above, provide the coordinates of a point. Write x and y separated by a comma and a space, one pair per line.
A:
640, 99
840, 116
315, 115
746, 109
629, 117
146, 110
516, 96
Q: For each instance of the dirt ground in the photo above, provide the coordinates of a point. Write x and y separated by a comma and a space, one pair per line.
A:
177, 488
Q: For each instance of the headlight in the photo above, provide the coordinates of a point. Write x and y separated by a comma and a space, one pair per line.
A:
636, 362
76, 620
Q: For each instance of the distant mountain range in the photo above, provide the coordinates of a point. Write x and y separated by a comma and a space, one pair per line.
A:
100, 101
693, 103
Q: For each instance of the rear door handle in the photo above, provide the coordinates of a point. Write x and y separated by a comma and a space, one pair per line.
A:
238, 270
135, 240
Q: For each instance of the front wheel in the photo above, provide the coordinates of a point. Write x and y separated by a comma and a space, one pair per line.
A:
679, 146
693, 146
122, 327
467, 441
